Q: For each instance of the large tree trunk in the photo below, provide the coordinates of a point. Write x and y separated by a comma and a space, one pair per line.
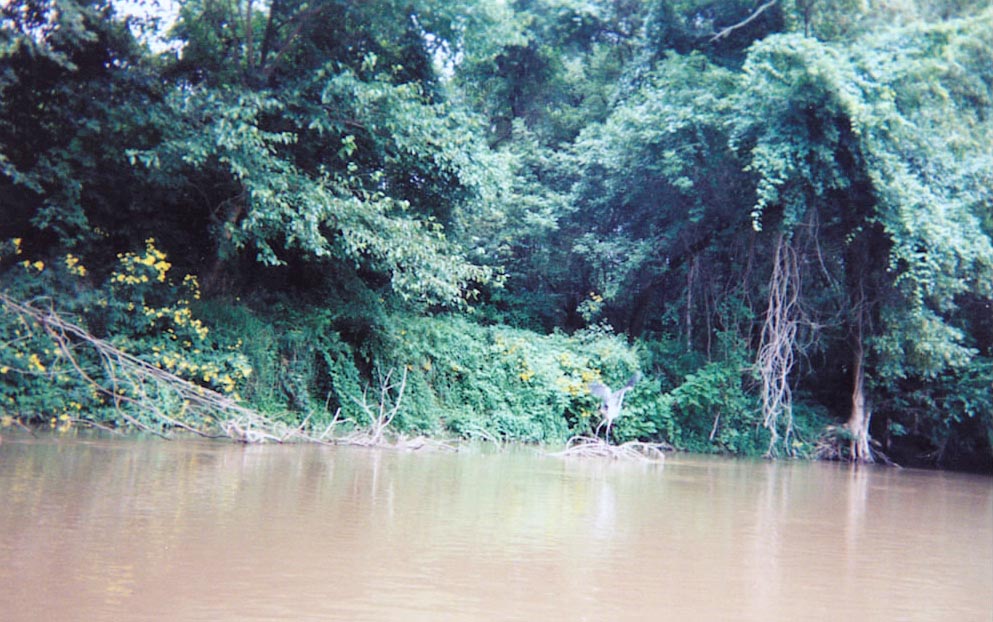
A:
861, 415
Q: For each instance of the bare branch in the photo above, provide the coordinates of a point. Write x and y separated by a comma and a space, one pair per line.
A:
727, 31
381, 414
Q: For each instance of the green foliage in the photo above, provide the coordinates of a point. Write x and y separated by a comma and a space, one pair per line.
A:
655, 177
462, 378
561, 168
704, 406
513, 384
331, 210
73, 87
950, 412
552, 65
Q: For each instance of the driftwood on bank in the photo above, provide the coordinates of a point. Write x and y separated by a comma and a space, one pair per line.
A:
592, 447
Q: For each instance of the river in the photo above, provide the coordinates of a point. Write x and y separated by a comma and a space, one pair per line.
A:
95, 528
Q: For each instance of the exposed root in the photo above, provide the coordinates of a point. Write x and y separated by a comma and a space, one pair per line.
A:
836, 443
592, 447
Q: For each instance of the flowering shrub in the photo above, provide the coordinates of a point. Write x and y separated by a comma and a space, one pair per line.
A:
139, 308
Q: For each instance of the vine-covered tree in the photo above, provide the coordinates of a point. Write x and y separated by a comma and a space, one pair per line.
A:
877, 158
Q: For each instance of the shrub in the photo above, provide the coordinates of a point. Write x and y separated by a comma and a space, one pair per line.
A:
138, 308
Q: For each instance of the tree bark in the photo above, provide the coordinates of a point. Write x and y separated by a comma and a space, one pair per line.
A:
861, 414
249, 40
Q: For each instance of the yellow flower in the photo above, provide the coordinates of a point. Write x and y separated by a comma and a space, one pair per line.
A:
73, 265
34, 361
39, 265
589, 375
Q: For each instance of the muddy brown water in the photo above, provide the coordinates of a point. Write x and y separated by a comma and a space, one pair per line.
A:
126, 529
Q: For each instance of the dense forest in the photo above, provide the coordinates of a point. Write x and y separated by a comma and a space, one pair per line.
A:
460, 213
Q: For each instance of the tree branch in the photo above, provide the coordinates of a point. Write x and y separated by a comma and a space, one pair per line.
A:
727, 31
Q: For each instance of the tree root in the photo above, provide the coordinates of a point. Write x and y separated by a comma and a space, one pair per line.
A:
835, 444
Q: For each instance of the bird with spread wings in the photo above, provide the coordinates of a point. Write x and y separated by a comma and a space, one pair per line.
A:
612, 401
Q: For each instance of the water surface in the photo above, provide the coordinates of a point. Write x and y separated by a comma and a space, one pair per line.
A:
127, 529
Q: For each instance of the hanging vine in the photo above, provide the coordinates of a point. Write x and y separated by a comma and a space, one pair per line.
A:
777, 350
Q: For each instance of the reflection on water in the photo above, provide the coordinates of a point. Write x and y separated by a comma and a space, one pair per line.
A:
95, 529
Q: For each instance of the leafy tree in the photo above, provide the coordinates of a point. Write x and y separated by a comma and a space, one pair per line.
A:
74, 89
658, 189
314, 133
553, 65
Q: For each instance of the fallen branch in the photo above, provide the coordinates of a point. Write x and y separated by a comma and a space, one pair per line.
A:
129, 381
474, 430
135, 385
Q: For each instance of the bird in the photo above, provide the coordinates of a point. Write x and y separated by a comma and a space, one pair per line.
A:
612, 400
